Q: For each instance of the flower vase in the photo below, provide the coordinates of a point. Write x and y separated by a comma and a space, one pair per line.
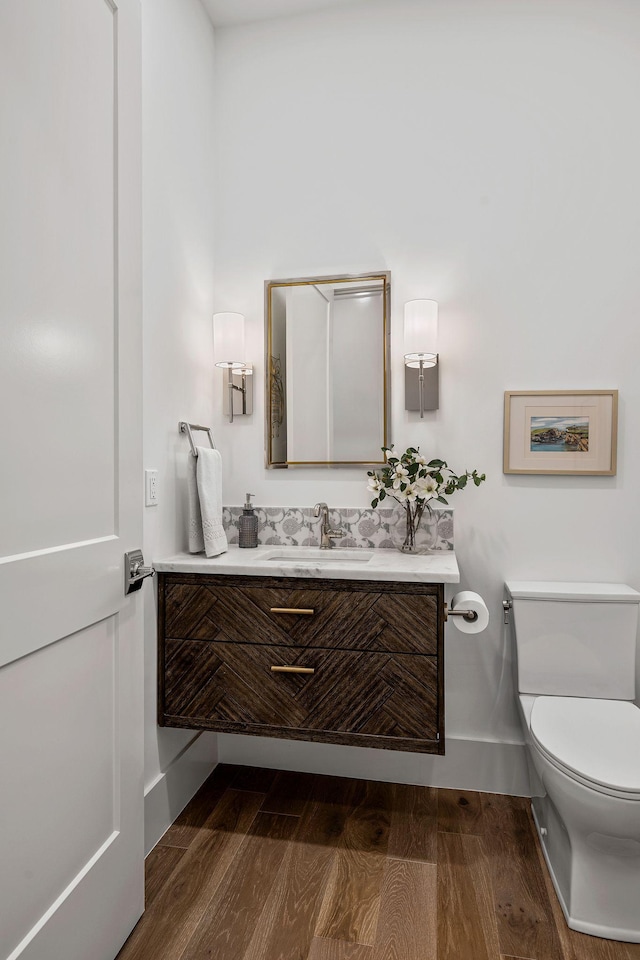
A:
415, 530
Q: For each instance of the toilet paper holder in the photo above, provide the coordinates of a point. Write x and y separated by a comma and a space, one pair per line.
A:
469, 615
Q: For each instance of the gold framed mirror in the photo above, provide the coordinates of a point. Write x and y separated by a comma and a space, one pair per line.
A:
328, 373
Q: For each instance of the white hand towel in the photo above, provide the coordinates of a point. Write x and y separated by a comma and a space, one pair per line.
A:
194, 515
209, 480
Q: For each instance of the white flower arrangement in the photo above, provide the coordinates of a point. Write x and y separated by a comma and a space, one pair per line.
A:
414, 482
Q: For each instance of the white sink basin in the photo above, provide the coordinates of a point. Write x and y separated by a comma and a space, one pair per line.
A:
296, 555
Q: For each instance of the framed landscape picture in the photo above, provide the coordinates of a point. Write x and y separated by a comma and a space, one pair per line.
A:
560, 431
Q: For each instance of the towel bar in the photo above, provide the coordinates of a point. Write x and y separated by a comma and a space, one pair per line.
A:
185, 427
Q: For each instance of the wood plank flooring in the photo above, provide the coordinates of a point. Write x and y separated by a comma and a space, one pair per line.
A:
268, 865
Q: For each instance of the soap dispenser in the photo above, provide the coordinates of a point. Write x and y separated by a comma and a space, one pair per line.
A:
248, 525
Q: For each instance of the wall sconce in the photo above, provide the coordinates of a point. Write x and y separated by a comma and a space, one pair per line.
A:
421, 388
228, 343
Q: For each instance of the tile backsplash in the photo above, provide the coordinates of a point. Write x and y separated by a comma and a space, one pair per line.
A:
297, 526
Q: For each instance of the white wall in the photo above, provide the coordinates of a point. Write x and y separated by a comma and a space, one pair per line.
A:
178, 159
486, 153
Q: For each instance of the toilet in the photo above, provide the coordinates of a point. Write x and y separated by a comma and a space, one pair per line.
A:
575, 655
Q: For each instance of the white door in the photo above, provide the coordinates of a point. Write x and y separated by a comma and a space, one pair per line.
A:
71, 791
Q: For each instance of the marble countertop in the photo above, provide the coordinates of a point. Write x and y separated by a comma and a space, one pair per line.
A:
267, 561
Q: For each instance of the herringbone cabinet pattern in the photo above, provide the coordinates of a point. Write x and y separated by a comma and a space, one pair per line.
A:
374, 619
349, 692
267, 865
362, 663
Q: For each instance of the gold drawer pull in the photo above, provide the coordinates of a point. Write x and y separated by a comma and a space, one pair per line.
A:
300, 610
293, 670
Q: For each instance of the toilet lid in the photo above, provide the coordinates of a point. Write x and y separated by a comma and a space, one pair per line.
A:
596, 739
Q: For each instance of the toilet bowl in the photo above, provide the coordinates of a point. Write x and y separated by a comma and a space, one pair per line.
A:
587, 808
575, 686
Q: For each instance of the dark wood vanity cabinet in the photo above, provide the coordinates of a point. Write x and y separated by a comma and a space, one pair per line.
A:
336, 661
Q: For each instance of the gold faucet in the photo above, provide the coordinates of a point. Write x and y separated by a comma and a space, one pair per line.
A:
326, 533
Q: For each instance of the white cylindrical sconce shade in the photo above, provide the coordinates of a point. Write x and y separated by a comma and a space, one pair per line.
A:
421, 333
228, 340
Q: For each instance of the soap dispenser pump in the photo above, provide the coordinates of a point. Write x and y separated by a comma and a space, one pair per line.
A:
248, 524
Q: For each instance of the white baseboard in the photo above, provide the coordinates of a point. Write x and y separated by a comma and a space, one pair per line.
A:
488, 766
171, 791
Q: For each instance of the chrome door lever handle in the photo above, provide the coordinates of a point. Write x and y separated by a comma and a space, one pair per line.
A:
135, 571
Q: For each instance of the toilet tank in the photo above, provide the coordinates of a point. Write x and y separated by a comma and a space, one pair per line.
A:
575, 639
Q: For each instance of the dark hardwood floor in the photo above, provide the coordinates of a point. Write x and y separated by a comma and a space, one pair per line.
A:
267, 865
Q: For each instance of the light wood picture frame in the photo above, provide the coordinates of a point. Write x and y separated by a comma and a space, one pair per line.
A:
570, 432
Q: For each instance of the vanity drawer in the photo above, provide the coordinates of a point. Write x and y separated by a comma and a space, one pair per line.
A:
356, 697
369, 616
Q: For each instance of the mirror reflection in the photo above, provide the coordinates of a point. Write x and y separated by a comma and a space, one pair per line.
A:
328, 370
